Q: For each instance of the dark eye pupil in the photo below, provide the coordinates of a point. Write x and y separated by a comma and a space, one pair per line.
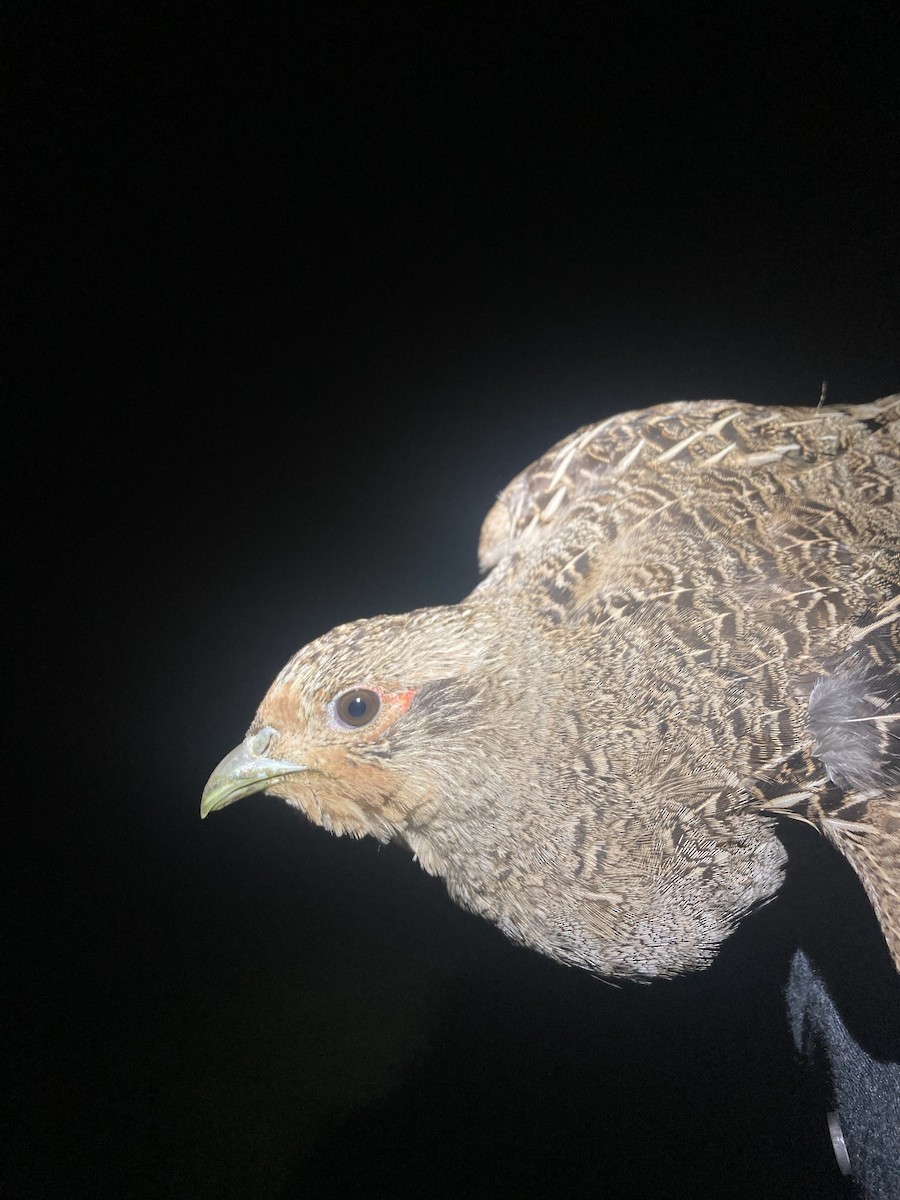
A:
358, 707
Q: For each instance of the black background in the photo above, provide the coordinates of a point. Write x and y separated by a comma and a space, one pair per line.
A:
295, 291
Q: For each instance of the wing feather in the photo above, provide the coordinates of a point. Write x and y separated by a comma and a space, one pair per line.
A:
612, 455
808, 502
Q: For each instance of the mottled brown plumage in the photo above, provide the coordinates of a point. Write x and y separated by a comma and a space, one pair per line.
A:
689, 630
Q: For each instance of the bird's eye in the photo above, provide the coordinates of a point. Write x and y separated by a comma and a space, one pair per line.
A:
357, 707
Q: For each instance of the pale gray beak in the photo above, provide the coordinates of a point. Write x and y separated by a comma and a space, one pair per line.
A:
244, 771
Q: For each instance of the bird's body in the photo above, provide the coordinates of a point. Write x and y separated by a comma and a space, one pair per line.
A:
689, 630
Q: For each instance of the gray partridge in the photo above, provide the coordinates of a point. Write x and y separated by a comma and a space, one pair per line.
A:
689, 631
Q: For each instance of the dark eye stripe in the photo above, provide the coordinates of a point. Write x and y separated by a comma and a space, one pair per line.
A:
357, 707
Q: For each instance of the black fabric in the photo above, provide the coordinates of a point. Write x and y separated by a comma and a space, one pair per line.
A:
859, 1072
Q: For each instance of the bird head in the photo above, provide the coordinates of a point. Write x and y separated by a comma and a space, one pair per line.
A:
363, 728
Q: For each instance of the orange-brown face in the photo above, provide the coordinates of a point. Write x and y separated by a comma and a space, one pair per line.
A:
339, 733
341, 740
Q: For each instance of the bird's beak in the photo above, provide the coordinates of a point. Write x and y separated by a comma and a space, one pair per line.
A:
244, 771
